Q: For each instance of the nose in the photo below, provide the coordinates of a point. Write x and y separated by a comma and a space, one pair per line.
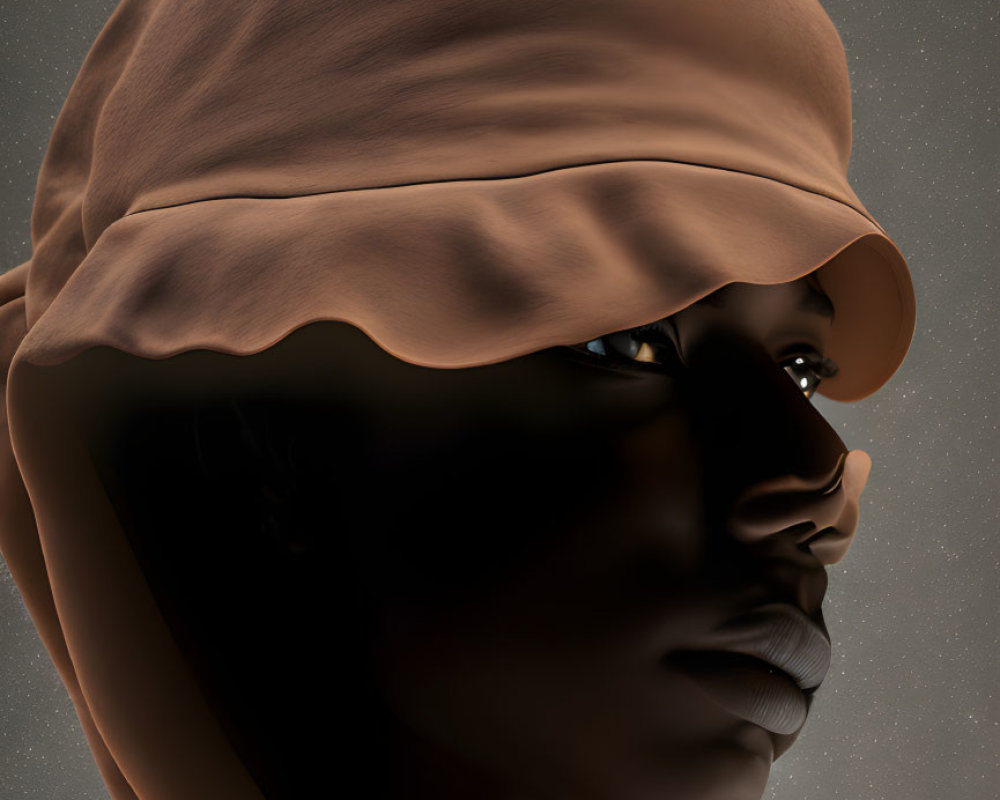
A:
805, 510
782, 477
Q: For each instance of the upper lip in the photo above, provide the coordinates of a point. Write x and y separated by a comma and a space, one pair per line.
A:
779, 634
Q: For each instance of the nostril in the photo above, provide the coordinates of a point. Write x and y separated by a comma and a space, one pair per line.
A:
805, 533
805, 544
802, 527
785, 515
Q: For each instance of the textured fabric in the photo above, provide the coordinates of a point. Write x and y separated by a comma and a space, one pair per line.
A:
464, 181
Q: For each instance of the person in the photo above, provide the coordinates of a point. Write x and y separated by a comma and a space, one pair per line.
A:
437, 418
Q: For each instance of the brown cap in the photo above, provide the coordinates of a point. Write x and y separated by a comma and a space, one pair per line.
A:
465, 181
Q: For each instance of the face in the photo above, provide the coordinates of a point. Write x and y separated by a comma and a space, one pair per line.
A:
557, 540
555, 557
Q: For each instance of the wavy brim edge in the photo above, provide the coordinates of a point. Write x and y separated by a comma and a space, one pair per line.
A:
875, 314
460, 273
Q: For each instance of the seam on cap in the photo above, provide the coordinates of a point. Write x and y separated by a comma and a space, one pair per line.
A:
509, 177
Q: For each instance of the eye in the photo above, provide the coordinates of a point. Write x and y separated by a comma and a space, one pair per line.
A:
807, 369
646, 347
651, 346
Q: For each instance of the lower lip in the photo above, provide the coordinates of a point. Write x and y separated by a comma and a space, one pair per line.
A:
746, 687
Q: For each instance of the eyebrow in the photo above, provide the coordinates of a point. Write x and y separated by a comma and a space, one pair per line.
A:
813, 300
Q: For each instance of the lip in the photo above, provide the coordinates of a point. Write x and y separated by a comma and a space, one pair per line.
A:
780, 635
760, 665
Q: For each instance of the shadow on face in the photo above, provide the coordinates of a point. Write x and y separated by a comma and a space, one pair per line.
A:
517, 580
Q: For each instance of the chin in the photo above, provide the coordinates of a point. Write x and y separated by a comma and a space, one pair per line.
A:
733, 769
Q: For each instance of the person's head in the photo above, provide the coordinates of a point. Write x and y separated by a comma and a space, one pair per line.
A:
427, 511
512, 562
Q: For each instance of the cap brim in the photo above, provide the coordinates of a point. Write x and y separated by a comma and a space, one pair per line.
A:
461, 273
874, 315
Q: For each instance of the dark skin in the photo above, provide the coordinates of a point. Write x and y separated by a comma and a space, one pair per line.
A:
527, 542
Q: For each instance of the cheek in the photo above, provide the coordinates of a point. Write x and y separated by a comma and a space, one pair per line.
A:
448, 512
544, 716
660, 493
547, 673
443, 520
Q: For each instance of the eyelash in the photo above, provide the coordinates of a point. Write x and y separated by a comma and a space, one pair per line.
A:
652, 334
800, 356
814, 362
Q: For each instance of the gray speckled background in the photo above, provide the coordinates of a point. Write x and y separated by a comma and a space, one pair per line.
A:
911, 708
